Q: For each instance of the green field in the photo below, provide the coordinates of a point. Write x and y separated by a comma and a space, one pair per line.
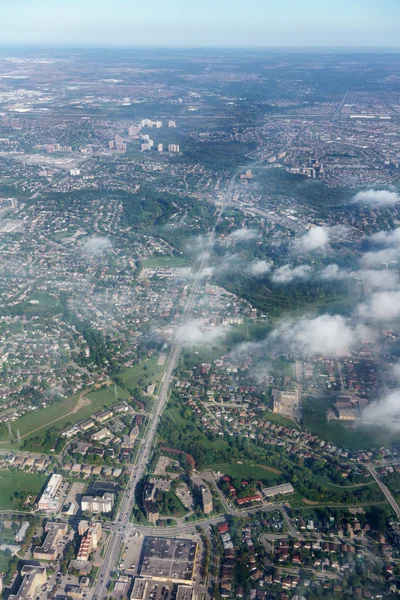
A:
280, 419
4, 560
71, 410
45, 300
164, 261
360, 437
18, 482
244, 470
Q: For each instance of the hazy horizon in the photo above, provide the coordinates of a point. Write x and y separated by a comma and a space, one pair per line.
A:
218, 23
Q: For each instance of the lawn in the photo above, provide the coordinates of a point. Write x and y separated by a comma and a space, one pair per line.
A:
164, 261
361, 437
280, 419
4, 560
18, 482
147, 371
45, 300
244, 470
60, 413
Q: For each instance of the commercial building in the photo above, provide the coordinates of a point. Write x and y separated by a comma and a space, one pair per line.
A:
277, 490
184, 592
166, 559
49, 500
98, 504
48, 550
139, 589
32, 578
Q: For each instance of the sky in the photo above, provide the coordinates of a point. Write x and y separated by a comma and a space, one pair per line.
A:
202, 22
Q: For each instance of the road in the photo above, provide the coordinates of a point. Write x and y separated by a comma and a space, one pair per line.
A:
385, 491
128, 499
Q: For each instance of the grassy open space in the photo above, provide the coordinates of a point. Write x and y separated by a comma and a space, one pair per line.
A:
359, 437
244, 470
80, 406
45, 300
4, 560
18, 482
164, 261
147, 372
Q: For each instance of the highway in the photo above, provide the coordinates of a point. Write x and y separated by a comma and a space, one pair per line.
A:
385, 491
128, 499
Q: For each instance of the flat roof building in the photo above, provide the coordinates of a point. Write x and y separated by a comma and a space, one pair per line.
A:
184, 592
49, 500
32, 578
139, 589
284, 488
48, 550
98, 504
166, 559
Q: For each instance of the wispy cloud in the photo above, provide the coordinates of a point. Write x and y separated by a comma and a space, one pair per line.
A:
380, 197
97, 245
287, 273
198, 333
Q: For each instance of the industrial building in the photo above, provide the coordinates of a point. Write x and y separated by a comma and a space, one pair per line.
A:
49, 500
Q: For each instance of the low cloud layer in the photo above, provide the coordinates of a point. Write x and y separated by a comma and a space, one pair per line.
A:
327, 335
381, 307
97, 245
259, 267
319, 237
197, 333
242, 234
380, 197
385, 411
287, 273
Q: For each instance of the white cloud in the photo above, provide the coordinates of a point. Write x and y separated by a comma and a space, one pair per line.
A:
328, 335
96, 245
385, 411
260, 267
242, 234
381, 197
380, 257
379, 280
197, 333
319, 237
387, 238
333, 273
287, 273
381, 307
315, 238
